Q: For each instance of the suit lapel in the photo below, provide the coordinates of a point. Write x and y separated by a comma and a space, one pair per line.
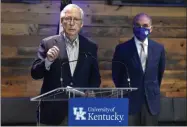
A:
136, 58
149, 55
60, 42
81, 56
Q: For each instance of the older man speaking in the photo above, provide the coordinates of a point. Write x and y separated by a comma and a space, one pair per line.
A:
55, 50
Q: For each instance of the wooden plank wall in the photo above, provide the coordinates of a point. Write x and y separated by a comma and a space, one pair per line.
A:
24, 25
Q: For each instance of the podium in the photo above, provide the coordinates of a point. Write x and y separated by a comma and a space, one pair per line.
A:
99, 104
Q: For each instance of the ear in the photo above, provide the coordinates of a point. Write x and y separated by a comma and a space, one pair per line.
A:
61, 20
151, 29
82, 24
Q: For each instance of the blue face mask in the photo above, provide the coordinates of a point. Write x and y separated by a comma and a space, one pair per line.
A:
141, 33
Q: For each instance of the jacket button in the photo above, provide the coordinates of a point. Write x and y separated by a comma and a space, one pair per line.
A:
71, 83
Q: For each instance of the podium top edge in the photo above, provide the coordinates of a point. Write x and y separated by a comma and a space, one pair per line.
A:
94, 88
79, 91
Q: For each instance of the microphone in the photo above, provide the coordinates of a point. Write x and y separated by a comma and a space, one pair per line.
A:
63, 62
128, 77
66, 61
70, 89
75, 91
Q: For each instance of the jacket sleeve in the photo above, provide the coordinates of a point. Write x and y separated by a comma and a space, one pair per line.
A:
95, 79
161, 66
118, 69
38, 67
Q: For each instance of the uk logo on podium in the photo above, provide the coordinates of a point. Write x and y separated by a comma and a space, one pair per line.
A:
98, 112
79, 113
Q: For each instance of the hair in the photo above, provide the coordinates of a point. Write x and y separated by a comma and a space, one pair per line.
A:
140, 15
62, 14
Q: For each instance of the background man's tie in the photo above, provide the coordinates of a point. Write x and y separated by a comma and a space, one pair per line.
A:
143, 56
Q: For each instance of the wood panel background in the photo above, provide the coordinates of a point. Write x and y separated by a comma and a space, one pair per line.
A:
24, 25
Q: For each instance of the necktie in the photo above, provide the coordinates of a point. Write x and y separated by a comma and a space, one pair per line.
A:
143, 56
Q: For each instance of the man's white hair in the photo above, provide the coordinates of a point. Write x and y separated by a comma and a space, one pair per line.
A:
62, 14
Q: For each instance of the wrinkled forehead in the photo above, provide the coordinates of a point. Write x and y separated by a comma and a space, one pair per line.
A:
73, 12
142, 19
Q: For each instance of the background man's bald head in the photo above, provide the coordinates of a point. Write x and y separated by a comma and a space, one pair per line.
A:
140, 15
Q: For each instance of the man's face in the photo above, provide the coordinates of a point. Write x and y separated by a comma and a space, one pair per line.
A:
72, 22
143, 21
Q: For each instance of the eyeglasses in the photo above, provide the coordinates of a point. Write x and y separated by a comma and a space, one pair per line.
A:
144, 25
69, 19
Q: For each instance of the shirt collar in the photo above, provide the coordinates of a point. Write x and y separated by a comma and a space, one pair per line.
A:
75, 42
139, 42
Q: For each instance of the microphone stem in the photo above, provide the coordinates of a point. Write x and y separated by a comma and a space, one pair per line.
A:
61, 79
127, 72
61, 65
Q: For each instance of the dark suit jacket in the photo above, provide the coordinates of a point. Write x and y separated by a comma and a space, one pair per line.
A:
86, 74
148, 83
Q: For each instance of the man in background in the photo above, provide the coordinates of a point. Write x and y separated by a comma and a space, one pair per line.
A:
57, 50
145, 60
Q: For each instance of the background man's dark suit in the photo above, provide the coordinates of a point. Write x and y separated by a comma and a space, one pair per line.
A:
148, 83
86, 74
